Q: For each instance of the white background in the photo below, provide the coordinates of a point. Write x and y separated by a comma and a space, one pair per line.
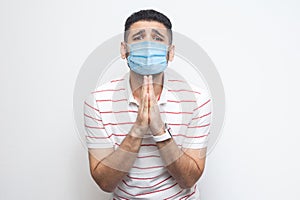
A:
254, 45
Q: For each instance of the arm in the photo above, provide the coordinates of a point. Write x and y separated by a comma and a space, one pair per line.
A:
109, 166
186, 165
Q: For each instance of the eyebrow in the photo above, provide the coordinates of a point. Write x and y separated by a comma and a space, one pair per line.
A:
158, 33
138, 33
143, 31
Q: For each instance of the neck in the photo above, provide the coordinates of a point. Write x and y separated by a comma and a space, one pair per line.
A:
136, 82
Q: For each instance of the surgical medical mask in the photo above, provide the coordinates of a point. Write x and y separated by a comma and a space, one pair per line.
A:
147, 58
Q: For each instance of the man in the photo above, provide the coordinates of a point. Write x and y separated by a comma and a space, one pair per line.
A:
147, 131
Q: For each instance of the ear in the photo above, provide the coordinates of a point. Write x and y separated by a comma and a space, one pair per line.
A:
123, 50
171, 53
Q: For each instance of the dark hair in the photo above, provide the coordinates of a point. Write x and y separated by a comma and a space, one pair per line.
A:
148, 15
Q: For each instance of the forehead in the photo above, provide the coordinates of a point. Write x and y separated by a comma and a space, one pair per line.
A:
146, 25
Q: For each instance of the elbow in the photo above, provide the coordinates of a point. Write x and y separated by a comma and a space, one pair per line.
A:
189, 182
187, 185
106, 188
104, 185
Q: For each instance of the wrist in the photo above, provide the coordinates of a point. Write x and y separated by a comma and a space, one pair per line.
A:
158, 130
163, 135
138, 131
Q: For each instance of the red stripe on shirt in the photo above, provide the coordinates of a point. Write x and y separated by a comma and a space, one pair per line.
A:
91, 106
121, 111
187, 196
175, 80
92, 117
111, 100
116, 80
134, 111
182, 135
95, 137
181, 101
113, 134
142, 145
202, 105
178, 124
176, 112
158, 190
148, 192
199, 126
145, 178
120, 197
121, 123
134, 186
173, 195
95, 127
108, 90
148, 145
201, 116
184, 91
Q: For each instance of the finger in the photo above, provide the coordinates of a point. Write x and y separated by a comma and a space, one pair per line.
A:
151, 92
143, 110
148, 99
146, 107
142, 104
147, 83
144, 87
143, 90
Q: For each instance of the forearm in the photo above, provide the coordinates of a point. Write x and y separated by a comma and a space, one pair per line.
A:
111, 170
180, 165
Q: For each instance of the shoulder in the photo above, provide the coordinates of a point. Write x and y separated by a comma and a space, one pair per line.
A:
176, 82
184, 89
108, 89
204, 93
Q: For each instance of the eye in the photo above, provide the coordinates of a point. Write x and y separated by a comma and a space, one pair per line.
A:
157, 38
139, 37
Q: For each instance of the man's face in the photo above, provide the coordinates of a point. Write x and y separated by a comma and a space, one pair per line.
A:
152, 31
148, 31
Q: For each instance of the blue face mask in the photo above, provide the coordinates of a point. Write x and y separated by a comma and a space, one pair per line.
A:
147, 58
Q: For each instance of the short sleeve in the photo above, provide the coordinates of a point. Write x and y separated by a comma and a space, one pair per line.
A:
198, 128
95, 133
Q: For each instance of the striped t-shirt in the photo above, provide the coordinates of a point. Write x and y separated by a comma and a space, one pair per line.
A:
111, 110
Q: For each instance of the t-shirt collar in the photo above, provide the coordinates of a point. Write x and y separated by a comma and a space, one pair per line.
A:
161, 100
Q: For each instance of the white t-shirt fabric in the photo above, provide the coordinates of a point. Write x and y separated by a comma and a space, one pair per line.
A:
111, 110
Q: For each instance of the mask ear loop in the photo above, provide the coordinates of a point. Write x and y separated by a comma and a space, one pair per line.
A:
127, 52
169, 46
